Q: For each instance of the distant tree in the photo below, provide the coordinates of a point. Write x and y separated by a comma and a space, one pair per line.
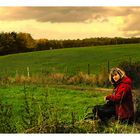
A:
13, 42
16, 42
25, 42
42, 44
7, 43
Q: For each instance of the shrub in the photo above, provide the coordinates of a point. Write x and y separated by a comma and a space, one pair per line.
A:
4, 81
76, 79
92, 80
132, 70
103, 80
57, 77
22, 79
81, 78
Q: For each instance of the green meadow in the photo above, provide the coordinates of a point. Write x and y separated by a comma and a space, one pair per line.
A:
62, 105
64, 102
68, 60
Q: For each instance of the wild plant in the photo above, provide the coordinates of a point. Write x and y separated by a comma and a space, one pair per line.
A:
29, 110
7, 124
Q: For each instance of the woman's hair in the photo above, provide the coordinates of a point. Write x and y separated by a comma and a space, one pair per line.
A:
114, 71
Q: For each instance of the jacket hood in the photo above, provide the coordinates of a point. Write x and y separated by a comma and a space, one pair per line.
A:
126, 80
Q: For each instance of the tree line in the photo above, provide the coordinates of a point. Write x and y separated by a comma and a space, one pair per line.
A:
12, 42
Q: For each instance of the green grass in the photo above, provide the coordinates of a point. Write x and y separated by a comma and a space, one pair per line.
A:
68, 60
65, 101
62, 102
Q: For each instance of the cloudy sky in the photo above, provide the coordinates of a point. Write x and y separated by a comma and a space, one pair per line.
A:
71, 22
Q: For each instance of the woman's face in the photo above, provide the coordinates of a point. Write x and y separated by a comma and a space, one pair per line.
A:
116, 77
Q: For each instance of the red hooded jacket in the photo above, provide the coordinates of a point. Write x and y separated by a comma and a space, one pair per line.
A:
123, 99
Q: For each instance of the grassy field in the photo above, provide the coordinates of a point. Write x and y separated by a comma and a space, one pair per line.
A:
63, 108
64, 101
68, 60
30, 100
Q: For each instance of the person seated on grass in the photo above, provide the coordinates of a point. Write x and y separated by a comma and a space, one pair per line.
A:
121, 96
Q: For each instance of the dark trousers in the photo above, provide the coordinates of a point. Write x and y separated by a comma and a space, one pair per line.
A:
127, 121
